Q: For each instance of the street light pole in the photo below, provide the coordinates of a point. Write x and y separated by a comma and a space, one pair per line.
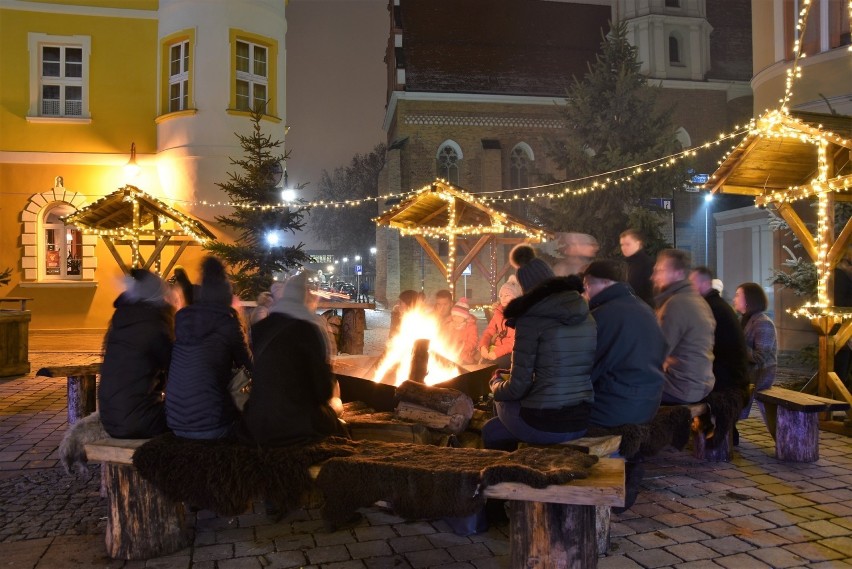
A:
708, 199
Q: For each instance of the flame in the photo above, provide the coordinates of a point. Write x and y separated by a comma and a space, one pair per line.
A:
418, 324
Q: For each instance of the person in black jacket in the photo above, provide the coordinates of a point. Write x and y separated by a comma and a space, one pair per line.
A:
640, 265
546, 396
137, 352
628, 371
209, 344
294, 396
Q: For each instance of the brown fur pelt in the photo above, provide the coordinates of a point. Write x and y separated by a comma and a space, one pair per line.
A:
225, 476
72, 449
725, 407
669, 427
428, 482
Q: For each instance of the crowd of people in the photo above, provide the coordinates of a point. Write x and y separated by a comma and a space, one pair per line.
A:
177, 357
603, 346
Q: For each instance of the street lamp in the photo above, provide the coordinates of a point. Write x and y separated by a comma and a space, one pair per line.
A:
345, 267
708, 199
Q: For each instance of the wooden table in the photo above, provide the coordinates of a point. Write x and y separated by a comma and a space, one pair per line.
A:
353, 324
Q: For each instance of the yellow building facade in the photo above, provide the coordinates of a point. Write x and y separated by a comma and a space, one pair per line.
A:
82, 82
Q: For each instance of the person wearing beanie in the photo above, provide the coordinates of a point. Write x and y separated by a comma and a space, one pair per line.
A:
628, 372
294, 395
210, 344
461, 332
530, 270
546, 396
137, 353
497, 340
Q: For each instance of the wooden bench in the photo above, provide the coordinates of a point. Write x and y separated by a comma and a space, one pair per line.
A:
792, 420
82, 388
549, 527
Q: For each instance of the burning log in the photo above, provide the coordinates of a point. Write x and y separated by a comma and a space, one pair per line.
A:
419, 361
441, 408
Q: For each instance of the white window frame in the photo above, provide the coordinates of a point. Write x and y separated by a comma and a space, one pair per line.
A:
34, 258
180, 79
60, 230
253, 79
36, 42
455, 167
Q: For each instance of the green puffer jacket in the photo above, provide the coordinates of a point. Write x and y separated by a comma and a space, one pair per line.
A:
555, 340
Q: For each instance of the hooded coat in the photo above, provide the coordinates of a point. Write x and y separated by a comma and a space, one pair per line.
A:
209, 344
628, 373
137, 352
555, 339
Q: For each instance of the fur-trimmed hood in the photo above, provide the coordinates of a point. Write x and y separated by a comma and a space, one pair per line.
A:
557, 298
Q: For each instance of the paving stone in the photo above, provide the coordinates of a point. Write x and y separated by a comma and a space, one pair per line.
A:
429, 558
825, 528
284, 559
778, 557
717, 528
291, 542
253, 548
445, 539
352, 564
813, 551
340, 537
468, 551
328, 554
178, 562
751, 523
763, 539
684, 534
653, 558
414, 528
213, 552
240, 563
841, 544
371, 533
410, 543
701, 564
391, 562
492, 563
617, 562
795, 534
376, 548
691, 551
781, 518
742, 561
652, 540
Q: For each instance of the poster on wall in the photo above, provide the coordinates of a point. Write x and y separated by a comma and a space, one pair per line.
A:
53, 259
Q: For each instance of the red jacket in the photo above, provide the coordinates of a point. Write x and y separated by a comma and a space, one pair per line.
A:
499, 335
464, 339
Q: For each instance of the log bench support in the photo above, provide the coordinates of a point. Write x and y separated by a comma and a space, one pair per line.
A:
82, 388
723, 452
141, 521
792, 420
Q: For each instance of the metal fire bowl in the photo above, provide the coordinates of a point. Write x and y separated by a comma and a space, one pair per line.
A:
353, 374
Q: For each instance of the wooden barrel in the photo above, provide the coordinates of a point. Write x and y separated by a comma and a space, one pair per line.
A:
14, 342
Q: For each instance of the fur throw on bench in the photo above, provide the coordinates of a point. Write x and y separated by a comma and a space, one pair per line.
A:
72, 449
672, 426
420, 481
428, 481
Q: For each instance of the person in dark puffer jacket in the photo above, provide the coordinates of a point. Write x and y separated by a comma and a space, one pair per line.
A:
209, 344
546, 397
137, 351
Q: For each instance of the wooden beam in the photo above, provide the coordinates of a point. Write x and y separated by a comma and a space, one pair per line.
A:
155, 255
736, 160
476, 262
843, 335
799, 229
111, 246
433, 255
838, 389
741, 190
483, 241
838, 249
433, 215
175, 258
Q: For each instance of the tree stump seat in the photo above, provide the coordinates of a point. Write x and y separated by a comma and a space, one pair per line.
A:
82, 388
792, 420
549, 527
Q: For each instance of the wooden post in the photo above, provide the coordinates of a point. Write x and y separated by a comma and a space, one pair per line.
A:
352, 331
724, 452
552, 536
81, 396
141, 522
419, 361
602, 519
797, 436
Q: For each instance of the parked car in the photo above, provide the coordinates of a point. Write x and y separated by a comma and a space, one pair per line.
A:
344, 287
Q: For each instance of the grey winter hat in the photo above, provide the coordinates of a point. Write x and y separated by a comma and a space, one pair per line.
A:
145, 286
531, 270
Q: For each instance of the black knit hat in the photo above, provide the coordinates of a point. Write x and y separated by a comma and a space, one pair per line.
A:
215, 287
531, 270
607, 269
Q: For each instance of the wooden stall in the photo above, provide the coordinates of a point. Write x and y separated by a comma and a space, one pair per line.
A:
467, 224
792, 156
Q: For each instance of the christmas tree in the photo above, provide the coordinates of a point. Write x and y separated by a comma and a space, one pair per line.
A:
615, 121
259, 219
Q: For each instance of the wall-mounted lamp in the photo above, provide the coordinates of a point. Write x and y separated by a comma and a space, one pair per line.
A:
132, 169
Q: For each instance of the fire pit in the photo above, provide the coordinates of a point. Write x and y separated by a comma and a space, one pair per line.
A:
354, 374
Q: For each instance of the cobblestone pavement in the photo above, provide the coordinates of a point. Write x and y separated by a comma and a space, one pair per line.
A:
753, 512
